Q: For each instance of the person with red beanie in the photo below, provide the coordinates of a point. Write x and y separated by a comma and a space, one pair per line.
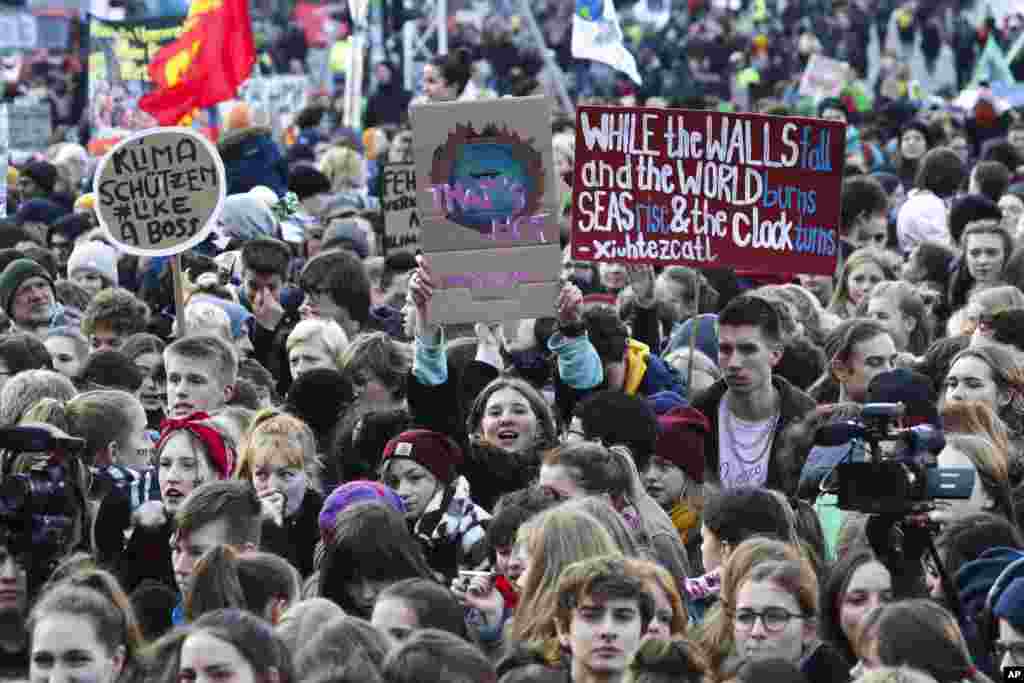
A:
674, 474
422, 467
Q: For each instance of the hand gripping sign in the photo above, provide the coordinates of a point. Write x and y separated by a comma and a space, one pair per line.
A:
160, 191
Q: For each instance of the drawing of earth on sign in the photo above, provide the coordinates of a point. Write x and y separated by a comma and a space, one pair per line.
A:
489, 180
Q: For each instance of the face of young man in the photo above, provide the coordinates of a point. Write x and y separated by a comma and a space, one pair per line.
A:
193, 384
746, 358
188, 547
603, 636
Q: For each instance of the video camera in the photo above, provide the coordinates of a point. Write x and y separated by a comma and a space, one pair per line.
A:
900, 474
39, 504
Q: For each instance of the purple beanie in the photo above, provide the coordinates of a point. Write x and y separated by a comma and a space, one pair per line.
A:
347, 495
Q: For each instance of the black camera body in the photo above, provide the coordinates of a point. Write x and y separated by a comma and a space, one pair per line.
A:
901, 478
40, 505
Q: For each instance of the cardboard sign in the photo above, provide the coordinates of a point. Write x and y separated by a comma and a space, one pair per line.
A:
488, 200
119, 55
160, 191
31, 125
823, 77
398, 202
707, 189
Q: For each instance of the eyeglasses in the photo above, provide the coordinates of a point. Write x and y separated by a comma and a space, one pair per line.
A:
774, 619
1014, 649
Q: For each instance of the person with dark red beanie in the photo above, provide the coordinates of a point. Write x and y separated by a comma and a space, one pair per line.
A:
674, 474
422, 467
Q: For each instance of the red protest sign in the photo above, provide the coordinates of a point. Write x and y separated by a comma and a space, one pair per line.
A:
707, 189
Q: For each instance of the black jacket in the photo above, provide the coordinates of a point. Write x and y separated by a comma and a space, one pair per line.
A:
794, 404
296, 540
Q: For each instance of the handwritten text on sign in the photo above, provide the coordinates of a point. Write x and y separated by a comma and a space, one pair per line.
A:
398, 202
660, 186
158, 192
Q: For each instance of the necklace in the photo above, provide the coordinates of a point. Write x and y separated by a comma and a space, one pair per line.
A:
761, 442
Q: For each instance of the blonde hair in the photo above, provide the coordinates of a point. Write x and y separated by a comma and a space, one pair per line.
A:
274, 435
864, 256
990, 300
716, 636
555, 539
208, 317
327, 333
343, 167
654, 575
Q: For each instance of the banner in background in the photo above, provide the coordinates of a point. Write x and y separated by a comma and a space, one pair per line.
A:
30, 126
119, 56
276, 99
707, 189
398, 202
488, 201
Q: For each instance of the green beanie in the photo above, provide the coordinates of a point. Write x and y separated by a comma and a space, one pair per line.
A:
14, 274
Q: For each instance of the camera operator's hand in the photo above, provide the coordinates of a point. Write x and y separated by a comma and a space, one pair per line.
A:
480, 592
150, 515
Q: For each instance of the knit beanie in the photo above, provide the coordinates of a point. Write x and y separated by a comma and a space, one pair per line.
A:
14, 274
432, 450
97, 257
664, 401
348, 234
305, 180
246, 216
681, 435
350, 493
39, 211
42, 172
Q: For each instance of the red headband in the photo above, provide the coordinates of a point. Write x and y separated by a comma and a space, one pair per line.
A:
221, 455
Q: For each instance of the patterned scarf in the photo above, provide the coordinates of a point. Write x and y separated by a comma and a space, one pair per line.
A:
451, 516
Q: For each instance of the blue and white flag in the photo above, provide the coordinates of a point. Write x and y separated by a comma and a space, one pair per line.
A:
597, 36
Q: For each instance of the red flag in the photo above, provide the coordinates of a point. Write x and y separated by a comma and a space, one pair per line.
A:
205, 65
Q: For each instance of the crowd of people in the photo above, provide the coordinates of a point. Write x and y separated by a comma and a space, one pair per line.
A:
302, 475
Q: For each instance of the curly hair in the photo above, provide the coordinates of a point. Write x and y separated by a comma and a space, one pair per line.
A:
119, 308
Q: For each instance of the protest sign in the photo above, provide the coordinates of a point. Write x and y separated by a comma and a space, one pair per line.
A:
30, 125
398, 202
279, 98
823, 77
159, 192
488, 201
119, 56
707, 189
